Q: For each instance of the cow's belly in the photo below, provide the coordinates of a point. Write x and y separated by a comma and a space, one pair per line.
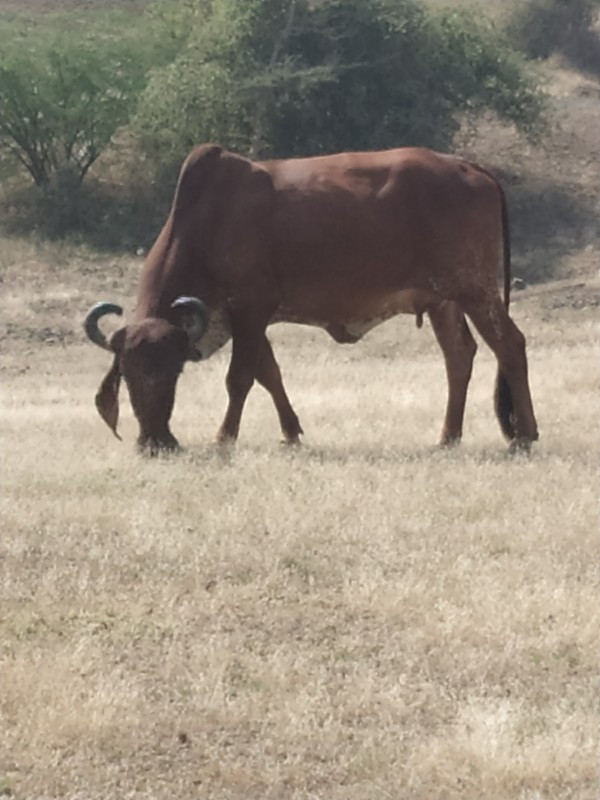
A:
347, 320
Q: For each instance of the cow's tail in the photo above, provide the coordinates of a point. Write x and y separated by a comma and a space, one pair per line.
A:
503, 401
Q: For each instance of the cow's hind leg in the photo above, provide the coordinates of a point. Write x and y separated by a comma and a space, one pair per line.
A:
459, 348
268, 375
514, 406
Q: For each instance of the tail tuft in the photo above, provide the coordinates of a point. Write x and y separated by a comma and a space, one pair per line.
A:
503, 403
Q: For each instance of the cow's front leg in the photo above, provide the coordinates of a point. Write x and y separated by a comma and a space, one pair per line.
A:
247, 338
268, 375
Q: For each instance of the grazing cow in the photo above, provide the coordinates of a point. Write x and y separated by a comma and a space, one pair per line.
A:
342, 242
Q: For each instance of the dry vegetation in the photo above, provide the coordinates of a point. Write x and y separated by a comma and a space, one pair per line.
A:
363, 618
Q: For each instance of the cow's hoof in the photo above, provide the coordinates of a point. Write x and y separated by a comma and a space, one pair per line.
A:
449, 442
158, 447
290, 441
521, 445
225, 441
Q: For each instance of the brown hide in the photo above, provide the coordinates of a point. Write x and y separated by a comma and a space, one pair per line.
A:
342, 242
328, 240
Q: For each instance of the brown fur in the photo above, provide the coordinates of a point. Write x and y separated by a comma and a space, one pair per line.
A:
342, 242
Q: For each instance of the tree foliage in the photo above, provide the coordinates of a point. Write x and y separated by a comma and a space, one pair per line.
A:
284, 77
263, 77
62, 97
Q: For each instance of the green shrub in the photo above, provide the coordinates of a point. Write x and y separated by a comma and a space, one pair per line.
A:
286, 77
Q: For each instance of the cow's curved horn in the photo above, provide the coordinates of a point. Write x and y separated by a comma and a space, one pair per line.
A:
192, 315
90, 324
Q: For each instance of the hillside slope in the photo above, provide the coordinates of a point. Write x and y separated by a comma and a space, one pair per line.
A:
552, 185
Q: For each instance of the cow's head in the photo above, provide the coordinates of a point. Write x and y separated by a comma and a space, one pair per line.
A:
150, 356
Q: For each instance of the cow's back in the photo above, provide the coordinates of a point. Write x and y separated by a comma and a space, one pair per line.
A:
359, 226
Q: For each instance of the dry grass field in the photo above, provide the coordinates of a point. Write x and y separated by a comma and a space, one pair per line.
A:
364, 617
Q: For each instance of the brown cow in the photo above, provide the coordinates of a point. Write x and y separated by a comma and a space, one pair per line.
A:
342, 242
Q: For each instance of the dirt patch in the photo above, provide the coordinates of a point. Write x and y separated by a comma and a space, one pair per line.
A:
568, 294
33, 335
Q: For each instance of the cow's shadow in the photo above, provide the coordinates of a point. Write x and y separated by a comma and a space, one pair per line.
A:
343, 454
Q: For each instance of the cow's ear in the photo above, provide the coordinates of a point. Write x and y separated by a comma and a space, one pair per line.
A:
107, 398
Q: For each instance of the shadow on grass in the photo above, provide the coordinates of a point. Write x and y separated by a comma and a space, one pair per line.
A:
106, 217
325, 455
585, 56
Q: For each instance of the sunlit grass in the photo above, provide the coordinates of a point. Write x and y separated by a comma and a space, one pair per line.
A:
363, 617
